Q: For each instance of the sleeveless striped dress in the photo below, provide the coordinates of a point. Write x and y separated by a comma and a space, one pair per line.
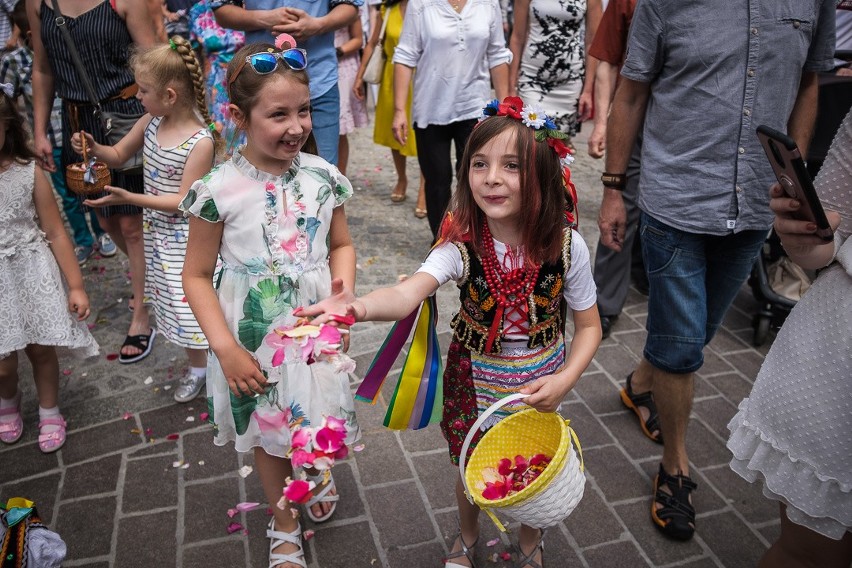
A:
104, 43
165, 236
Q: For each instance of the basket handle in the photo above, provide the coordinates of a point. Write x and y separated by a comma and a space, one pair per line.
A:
475, 428
83, 143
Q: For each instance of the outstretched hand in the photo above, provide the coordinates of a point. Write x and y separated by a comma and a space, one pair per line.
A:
340, 304
114, 196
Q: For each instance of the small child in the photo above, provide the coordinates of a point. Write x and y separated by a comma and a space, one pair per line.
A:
16, 68
348, 42
177, 140
34, 310
275, 215
506, 244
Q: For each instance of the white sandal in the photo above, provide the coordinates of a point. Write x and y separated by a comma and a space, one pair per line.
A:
322, 497
277, 538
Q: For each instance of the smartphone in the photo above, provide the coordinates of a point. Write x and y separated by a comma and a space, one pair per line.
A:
789, 168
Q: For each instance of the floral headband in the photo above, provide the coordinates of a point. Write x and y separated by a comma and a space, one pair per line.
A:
534, 117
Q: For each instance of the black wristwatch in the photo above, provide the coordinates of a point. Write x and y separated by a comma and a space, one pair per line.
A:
339, 52
614, 181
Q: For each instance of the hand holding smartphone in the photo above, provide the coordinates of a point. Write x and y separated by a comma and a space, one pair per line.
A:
789, 168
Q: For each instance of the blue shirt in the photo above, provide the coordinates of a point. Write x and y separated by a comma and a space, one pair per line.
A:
322, 59
717, 69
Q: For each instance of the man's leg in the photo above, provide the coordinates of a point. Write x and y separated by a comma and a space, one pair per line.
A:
325, 117
676, 324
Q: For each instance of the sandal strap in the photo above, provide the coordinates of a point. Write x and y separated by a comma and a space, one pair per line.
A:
10, 411
58, 421
645, 400
322, 496
466, 551
278, 538
675, 504
527, 559
12, 426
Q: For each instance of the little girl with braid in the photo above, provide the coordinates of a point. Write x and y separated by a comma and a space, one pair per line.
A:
178, 141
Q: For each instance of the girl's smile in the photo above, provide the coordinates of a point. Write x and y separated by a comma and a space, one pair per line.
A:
495, 181
278, 125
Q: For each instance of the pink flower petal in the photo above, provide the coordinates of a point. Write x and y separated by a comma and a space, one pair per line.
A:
204, 416
301, 437
234, 527
335, 424
308, 534
328, 440
301, 457
298, 491
127, 416
278, 357
232, 513
246, 506
329, 334
173, 437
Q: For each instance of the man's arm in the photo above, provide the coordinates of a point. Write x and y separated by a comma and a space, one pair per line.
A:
302, 25
236, 17
625, 119
606, 77
800, 126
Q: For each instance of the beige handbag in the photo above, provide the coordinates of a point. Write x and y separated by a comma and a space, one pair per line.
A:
788, 279
375, 68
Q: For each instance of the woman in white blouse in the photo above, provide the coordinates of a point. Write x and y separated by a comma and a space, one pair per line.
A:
458, 49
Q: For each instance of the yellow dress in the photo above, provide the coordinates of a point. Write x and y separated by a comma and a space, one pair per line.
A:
382, 133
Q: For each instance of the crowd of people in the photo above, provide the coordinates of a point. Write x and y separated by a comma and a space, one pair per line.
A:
224, 126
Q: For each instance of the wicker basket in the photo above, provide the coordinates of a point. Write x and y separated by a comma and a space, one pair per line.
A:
75, 174
554, 494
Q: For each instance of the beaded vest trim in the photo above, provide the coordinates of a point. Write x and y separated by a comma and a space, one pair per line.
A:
545, 306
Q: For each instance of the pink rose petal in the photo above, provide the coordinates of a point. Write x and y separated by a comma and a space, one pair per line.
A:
246, 506
204, 416
232, 513
127, 416
234, 527
308, 534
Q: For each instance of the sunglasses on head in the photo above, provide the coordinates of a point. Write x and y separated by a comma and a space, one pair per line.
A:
266, 62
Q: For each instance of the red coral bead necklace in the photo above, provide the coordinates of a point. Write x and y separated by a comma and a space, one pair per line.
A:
510, 289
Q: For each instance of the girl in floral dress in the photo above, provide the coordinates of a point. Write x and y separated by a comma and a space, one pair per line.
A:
275, 216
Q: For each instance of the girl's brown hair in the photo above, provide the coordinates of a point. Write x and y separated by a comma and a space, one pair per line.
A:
174, 64
246, 88
543, 197
17, 142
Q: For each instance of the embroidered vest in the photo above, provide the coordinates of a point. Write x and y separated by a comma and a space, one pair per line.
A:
545, 306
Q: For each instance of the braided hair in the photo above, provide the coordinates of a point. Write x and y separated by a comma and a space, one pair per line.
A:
175, 64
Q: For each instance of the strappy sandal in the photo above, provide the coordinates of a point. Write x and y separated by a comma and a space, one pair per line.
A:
142, 342
277, 538
465, 552
322, 497
49, 443
11, 431
526, 560
635, 402
676, 517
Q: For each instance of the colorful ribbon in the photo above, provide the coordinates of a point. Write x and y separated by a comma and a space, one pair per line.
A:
418, 398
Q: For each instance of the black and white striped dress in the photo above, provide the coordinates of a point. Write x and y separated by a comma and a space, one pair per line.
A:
104, 43
165, 237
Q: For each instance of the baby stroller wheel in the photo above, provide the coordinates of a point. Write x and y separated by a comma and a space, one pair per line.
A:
761, 325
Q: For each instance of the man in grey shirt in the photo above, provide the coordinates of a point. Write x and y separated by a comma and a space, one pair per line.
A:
709, 72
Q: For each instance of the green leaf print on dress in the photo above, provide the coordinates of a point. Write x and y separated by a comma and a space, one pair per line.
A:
209, 212
263, 304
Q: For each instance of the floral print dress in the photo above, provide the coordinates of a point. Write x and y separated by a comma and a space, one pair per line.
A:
219, 46
274, 252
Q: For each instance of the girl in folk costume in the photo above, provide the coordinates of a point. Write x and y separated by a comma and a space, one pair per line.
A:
176, 136
518, 265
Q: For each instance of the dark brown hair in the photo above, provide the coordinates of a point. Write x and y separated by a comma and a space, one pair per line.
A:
543, 197
244, 91
17, 142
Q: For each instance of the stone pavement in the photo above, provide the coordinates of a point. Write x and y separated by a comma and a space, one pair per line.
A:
140, 484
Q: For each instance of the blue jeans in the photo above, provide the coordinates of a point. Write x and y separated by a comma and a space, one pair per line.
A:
325, 116
71, 205
693, 279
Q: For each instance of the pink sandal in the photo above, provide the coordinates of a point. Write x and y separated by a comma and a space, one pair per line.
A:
49, 443
10, 432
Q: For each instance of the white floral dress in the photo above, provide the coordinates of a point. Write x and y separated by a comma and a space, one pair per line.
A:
274, 253
33, 302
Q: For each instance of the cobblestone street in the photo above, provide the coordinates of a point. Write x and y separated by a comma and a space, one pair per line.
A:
139, 482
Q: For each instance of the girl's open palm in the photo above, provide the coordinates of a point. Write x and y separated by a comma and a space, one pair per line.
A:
115, 196
341, 302
242, 372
